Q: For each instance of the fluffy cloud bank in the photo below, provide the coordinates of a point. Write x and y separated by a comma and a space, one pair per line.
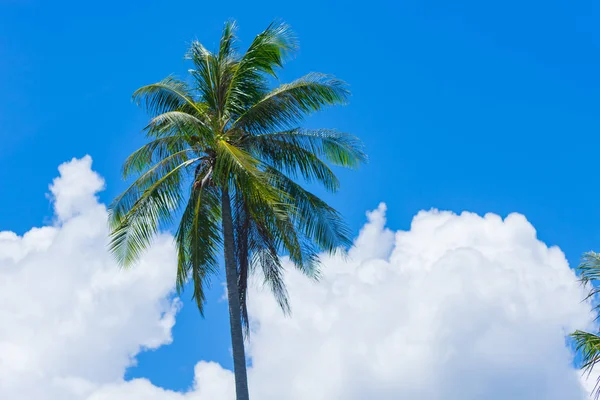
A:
70, 319
458, 307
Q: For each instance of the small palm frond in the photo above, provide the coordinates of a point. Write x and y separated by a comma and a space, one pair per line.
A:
170, 94
136, 216
290, 103
227, 43
294, 159
588, 345
206, 66
269, 50
320, 222
589, 275
338, 148
242, 168
126, 200
266, 53
280, 225
265, 255
180, 123
173, 148
589, 270
213, 73
198, 239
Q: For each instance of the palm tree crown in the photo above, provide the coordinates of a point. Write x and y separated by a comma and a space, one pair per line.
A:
227, 129
222, 160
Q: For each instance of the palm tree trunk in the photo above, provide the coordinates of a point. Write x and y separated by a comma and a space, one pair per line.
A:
235, 319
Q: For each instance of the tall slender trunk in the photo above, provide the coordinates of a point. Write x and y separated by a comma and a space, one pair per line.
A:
235, 318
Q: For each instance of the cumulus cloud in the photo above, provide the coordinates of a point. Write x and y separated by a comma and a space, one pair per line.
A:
457, 307
70, 319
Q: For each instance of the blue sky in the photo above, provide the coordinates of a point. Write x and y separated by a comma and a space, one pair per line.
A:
462, 105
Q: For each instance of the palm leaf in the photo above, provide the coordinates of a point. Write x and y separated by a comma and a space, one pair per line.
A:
266, 53
293, 159
183, 124
155, 153
198, 239
588, 344
320, 222
170, 94
134, 224
287, 105
336, 147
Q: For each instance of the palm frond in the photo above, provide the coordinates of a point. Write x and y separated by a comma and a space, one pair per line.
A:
181, 123
227, 43
269, 49
287, 105
338, 148
156, 152
168, 167
589, 268
170, 94
242, 169
294, 159
588, 345
205, 73
279, 224
198, 240
320, 222
265, 255
213, 73
266, 53
136, 216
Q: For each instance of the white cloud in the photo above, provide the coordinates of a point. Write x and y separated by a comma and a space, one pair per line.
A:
458, 307
212, 383
70, 319
462, 307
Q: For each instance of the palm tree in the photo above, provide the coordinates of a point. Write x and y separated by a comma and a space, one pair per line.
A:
588, 344
223, 158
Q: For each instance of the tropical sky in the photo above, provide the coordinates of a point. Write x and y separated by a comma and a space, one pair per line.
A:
481, 123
